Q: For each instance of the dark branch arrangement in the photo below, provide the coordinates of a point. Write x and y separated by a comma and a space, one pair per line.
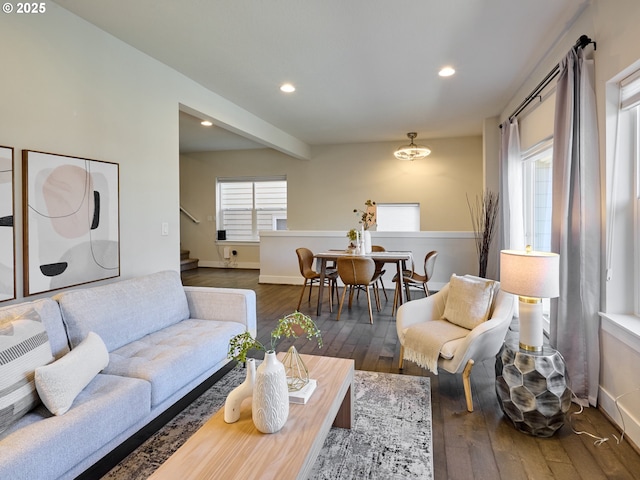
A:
483, 218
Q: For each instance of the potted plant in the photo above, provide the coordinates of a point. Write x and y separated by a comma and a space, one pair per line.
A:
291, 325
352, 235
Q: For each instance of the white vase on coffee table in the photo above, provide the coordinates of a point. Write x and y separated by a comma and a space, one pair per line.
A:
270, 404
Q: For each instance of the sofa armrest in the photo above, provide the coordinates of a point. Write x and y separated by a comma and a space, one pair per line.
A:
223, 304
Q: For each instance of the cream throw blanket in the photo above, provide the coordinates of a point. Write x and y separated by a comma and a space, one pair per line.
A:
424, 341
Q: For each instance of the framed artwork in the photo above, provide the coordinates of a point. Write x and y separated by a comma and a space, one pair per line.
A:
71, 221
7, 229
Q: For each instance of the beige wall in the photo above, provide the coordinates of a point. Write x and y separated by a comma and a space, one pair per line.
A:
324, 191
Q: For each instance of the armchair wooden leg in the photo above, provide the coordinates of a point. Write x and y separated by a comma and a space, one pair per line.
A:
466, 381
401, 363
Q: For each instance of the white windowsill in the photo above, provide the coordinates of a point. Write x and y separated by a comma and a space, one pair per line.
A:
624, 327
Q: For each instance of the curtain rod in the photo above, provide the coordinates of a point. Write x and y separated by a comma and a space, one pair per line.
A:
582, 42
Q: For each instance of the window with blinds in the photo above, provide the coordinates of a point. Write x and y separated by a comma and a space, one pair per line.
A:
248, 205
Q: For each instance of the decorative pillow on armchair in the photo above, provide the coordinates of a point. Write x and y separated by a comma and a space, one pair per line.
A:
24, 346
469, 301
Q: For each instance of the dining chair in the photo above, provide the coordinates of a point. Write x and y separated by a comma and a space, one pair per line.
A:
305, 262
410, 278
356, 272
379, 270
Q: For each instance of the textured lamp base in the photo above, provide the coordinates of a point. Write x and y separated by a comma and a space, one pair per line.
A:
532, 389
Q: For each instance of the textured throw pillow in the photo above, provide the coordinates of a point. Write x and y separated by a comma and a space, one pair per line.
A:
469, 301
24, 346
59, 383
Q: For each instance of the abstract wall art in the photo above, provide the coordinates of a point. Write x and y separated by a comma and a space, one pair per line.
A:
71, 221
7, 229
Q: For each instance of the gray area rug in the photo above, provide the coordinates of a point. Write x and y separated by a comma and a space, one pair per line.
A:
391, 437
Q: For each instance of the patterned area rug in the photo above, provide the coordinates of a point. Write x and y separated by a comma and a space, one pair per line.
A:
391, 438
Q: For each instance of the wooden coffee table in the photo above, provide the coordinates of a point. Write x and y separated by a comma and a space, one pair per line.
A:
219, 450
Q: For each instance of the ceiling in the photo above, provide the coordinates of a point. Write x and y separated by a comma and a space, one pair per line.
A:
364, 70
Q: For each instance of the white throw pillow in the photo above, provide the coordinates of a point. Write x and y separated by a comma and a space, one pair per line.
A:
60, 382
469, 301
24, 346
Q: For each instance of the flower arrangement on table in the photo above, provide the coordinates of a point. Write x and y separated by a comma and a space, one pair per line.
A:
366, 217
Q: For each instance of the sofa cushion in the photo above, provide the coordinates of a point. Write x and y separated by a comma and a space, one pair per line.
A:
60, 382
24, 346
124, 311
43, 446
171, 358
469, 301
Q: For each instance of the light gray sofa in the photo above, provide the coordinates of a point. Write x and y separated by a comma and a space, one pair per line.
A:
163, 340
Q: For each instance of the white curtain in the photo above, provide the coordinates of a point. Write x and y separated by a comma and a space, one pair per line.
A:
512, 213
576, 225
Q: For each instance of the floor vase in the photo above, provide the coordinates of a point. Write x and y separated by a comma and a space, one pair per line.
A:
270, 404
238, 394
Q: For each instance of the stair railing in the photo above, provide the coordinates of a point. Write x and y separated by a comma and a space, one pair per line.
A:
191, 217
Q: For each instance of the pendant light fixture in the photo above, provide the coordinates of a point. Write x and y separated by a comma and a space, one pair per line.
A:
412, 151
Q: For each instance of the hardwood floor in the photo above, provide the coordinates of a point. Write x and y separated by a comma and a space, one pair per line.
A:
478, 445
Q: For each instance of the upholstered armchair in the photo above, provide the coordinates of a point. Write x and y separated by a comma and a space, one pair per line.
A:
432, 337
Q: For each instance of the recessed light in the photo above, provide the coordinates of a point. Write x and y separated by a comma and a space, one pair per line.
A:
446, 72
287, 88
206, 123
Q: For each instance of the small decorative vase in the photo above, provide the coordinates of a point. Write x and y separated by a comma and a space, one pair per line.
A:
366, 237
270, 404
295, 369
238, 394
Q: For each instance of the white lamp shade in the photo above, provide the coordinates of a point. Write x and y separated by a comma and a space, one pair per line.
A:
530, 274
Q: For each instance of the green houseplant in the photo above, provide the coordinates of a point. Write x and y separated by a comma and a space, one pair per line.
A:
291, 325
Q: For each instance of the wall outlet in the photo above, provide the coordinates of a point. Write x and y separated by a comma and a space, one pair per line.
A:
227, 252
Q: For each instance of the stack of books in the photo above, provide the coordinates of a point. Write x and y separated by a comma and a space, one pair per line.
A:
302, 396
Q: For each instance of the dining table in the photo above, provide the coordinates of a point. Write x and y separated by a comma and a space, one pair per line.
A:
400, 258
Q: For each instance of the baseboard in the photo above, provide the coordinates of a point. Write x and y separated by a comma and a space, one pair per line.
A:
607, 404
229, 264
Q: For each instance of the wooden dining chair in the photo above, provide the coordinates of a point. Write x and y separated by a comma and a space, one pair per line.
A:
410, 278
305, 262
355, 272
379, 271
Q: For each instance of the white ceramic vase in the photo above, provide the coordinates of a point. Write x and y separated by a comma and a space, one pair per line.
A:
366, 240
238, 394
270, 404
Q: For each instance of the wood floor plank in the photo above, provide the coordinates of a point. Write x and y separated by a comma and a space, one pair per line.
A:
482, 444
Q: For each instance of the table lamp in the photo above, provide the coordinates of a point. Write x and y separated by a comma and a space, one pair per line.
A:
532, 276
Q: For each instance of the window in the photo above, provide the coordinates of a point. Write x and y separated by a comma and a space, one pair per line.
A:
625, 192
536, 201
537, 189
398, 217
247, 205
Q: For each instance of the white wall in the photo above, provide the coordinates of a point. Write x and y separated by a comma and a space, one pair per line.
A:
69, 88
456, 253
